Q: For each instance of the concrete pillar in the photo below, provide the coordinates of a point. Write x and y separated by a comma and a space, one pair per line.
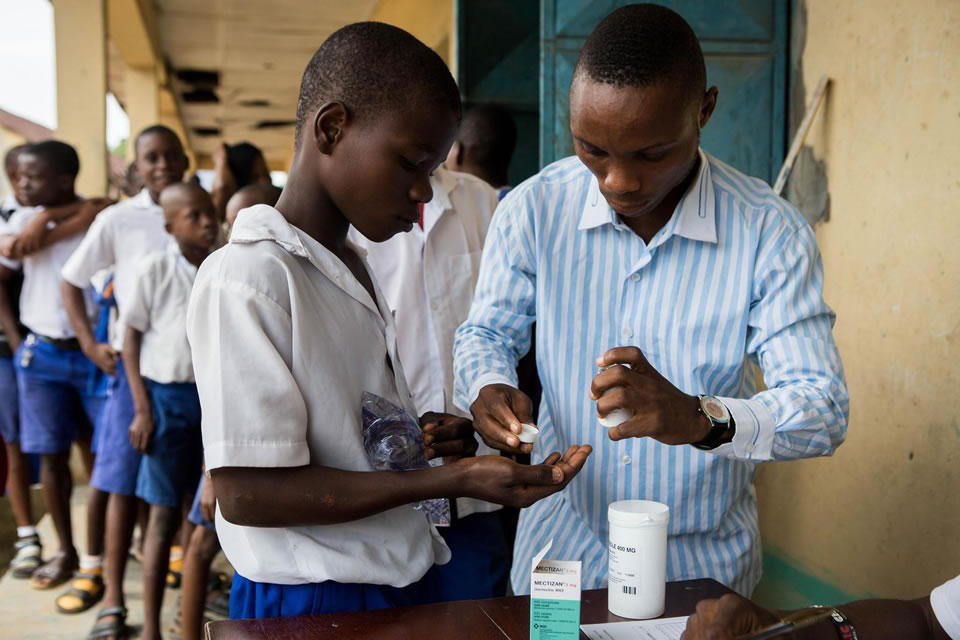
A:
142, 101
81, 58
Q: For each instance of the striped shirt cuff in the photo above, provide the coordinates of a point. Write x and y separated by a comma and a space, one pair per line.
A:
755, 430
483, 381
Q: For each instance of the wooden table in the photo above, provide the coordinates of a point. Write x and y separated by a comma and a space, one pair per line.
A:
496, 619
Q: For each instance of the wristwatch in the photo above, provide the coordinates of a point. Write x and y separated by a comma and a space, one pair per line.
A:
719, 416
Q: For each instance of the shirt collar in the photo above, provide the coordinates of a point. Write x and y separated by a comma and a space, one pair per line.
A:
264, 223
143, 200
174, 250
694, 217
442, 182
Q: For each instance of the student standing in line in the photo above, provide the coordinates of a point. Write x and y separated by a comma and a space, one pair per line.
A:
28, 550
485, 143
288, 330
653, 272
157, 359
427, 277
52, 372
120, 237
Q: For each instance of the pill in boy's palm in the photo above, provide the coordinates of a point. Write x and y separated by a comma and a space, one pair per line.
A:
528, 433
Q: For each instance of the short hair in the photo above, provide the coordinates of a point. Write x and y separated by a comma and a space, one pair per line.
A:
156, 129
643, 44
59, 155
177, 190
240, 158
256, 194
10, 158
374, 67
489, 132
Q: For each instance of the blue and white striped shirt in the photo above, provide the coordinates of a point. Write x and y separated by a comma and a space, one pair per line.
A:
735, 274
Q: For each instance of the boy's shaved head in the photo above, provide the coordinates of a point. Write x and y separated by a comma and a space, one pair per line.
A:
372, 67
157, 129
250, 195
643, 44
181, 193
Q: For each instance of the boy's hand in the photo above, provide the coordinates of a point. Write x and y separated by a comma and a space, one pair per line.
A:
497, 414
141, 430
30, 239
208, 500
448, 436
105, 357
501, 480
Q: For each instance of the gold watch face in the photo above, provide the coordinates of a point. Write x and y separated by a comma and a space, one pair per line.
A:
715, 410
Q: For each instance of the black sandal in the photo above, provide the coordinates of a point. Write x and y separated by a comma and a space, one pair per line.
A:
28, 557
85, 590
117, 629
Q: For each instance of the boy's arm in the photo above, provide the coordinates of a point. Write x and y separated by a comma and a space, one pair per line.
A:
314, 495
141, 429
8, 320
102, 355
70, 219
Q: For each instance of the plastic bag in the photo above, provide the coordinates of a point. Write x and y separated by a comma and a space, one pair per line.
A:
393, 441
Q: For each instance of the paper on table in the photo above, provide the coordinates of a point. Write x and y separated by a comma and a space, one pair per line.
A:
659, 629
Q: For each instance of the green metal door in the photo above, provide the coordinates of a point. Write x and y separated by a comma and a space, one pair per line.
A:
744, 43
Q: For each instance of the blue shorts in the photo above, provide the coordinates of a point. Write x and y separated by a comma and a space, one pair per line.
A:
250, 599
196, 515
9, 416
170, 467
479, 566
117, 463
55, 408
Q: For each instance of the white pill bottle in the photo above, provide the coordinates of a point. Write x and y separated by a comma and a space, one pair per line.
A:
637, 558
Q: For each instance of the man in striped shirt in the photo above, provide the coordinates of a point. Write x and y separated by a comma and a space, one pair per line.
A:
645, 253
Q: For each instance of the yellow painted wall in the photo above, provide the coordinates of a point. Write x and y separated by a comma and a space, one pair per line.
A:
883, 515
431, 21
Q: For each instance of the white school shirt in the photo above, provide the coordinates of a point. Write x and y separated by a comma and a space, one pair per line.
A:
427, 276
120, 236
285, 340
41, 306
945, 601
734, 275
158, 309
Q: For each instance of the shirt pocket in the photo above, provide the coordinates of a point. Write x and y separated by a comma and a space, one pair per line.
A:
455, 280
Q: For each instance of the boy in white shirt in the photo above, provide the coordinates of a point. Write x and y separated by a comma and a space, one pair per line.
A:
156, 356
428, 276
288, 330
52, 372
120, 237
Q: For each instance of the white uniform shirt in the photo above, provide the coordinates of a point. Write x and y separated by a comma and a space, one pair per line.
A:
427, 277
41, 306
285, 340
119, 237
158, 309
945, 601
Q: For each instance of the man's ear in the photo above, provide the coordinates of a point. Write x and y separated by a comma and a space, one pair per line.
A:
707, 107
66, 183
167, 227
328, 124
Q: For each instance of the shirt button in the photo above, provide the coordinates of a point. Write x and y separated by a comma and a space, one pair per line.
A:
627, 459
634, 277
627, 332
